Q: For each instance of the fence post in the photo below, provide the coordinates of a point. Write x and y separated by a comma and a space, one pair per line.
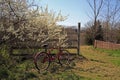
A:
78, 48
10, 50
95, 44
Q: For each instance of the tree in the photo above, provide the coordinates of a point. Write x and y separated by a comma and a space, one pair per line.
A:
89, 34
13, 16
46, 28
108, 11
111, 16
99, 31
22, 21
96, 7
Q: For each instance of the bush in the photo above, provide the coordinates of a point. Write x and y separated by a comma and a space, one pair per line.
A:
3, 73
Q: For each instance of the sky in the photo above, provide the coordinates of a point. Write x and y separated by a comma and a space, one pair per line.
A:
76, 10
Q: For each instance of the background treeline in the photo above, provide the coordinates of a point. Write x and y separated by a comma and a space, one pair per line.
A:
105, 21
103, 33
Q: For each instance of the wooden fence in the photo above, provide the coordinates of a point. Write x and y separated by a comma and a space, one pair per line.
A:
73, 42
106, 45
74, 38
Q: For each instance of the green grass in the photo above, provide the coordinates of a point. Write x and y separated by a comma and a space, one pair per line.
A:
92, 69
116, 62
114, 53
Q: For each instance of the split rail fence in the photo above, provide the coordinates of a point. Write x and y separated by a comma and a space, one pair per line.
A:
73, 42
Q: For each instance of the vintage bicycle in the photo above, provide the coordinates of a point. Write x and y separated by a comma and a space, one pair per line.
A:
43, 59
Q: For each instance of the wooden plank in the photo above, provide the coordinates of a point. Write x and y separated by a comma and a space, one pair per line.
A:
78, 49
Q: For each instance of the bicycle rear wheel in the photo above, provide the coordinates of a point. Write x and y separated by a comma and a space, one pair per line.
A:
64, 58
42, 61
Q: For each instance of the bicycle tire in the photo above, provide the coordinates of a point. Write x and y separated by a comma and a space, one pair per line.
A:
64, 58
42, 61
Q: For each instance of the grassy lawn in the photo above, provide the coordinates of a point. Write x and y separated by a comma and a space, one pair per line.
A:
100, 64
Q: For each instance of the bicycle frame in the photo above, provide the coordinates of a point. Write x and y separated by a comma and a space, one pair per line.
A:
43, 59
51, 57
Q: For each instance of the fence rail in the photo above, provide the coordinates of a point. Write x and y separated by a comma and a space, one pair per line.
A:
106, 45
73, 41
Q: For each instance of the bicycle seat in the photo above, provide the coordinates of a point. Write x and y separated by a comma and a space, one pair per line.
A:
45, 45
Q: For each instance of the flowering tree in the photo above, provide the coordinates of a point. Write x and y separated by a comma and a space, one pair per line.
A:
22, 21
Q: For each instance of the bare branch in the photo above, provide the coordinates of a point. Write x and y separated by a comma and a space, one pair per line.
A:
99, 8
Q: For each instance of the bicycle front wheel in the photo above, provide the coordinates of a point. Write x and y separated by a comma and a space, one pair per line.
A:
42, 61
64, 58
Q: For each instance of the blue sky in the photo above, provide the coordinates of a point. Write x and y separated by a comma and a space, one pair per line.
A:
76, 10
